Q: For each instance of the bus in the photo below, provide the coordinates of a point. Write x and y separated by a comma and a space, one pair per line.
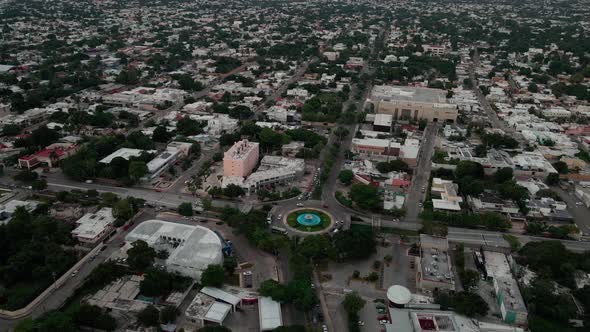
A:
278, 230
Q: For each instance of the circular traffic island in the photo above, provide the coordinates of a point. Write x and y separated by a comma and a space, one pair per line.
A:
308, 220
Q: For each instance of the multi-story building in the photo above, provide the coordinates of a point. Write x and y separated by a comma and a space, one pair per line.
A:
241, 159
410, 103
273, 170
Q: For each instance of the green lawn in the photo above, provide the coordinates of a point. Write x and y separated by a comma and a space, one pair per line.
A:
324, 221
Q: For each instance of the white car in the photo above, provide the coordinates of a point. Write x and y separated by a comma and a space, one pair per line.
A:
299, 204
74, 273
361, 323
383, 322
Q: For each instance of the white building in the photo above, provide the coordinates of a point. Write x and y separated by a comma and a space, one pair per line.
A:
162, 161
93, 227
272, 170
125, 153
190, 248
8, 208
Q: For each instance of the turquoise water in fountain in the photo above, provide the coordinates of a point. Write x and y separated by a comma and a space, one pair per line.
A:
308, 219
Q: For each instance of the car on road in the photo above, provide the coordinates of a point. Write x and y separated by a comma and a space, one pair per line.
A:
324, 328
325, 205
299, 204
383, 322
74, 273
361, 323
158, 190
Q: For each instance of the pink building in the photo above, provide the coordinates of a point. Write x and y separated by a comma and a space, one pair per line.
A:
240, 159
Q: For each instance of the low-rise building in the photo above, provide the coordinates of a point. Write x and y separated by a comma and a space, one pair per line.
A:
488, 202
190, 248
448, 198
125, 153
93, 227
49, 156
378, 149
508, 295
434, 271
8, 208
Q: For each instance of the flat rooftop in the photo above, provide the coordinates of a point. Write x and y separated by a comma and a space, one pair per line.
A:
498, 268
408, 93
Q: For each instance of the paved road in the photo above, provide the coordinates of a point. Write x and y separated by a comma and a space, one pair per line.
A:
492, 115
580, 213
481, 237
421, 174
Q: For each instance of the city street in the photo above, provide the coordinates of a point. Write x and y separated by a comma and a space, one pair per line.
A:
421, 174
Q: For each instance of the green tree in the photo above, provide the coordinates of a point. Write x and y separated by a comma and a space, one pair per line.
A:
137, 169
140, 256
213, 276
39, 184
353, 303
469, 168
354, 243
26, 176
504, 174
187, 126
150, 316
561, 167
168, 314
229, 264
346, 176
469, 278
161, 134
233, 190
123, 209
552, 179
185, 209
364, 196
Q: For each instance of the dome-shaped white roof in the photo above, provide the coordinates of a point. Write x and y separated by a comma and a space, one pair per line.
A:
399, 294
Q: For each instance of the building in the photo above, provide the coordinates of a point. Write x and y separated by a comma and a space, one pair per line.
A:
120, 295
8, 208
93, 227
487, 202
448, 199
378, 149
398, 296
436, 50
49, 156
125, 153
190, 248
161, 162
508, 295
273, 170
532, 164
425, 319
241, 159
410, 103
583, 194
269, 314
433, 269
548, 208
383, 122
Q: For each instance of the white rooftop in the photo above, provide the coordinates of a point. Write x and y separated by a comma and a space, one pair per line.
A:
269, 314
191, 248
93, 224
125, 153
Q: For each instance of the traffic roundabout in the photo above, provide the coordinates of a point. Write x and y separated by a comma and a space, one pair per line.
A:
308, 220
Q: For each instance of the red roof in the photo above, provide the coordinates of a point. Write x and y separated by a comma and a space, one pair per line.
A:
400, 183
